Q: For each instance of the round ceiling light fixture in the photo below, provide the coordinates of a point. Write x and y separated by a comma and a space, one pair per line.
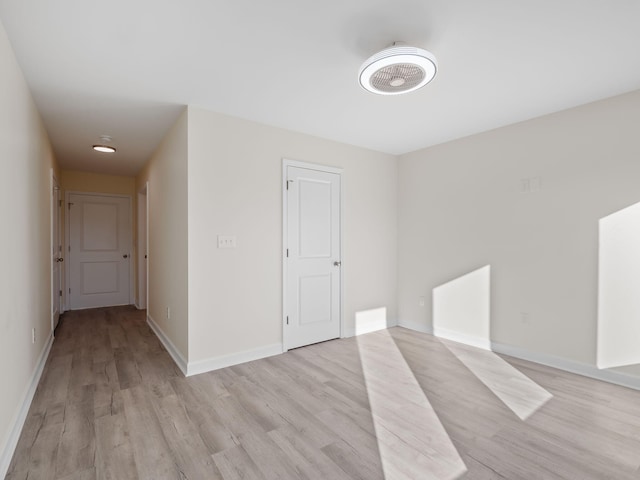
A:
398, 69
103, 147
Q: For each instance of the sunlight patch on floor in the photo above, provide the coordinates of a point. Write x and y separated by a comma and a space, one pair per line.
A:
412, 441
518, 392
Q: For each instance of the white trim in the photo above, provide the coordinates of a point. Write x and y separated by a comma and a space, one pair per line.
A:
12, 440
52, 197
141, 303
146, 197
285, 230
416, 326
67, 239
343, 257
321, 168
368, 328
478, 342
215, 363
351, 332
285, 227
571, 366
310, 166
168, 345
54, 243
567, 365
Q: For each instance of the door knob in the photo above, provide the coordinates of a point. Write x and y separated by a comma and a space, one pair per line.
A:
337, 263
125, 256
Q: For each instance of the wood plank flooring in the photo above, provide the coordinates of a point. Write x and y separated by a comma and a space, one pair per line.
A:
394, 404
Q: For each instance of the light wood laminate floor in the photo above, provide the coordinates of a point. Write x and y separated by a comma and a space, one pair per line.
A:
394, 404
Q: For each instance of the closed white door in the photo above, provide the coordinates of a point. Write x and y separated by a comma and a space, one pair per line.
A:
99, 251
313, 256
56, 256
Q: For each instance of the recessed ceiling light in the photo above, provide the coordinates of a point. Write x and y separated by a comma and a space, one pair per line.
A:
398, 69
104, 148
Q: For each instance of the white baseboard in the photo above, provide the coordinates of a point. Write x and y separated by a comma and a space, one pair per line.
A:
215, 363
446, 334
369, 327
20, 417
417, 326
560, 363
571, 366
168, 345
461, 338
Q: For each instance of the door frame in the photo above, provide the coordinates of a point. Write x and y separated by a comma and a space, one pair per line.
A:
285, 225
143, 194
56, 217
67, 238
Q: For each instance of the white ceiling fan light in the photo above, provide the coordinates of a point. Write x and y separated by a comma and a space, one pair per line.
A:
398, 69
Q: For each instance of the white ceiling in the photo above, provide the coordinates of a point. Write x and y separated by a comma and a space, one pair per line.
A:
126, 68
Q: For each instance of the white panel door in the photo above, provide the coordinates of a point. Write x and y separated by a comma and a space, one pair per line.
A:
99, 253
314, 257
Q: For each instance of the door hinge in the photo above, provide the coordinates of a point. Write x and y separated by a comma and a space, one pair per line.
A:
288, 181
69, 290
70, 205
59, 203
60, 292
287, 319
69, 247
287, 253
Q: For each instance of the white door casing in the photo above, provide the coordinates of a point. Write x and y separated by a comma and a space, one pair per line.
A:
312, 254
142, 248
99, 250
56, 253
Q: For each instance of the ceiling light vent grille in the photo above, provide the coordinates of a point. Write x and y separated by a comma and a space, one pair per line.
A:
398, 69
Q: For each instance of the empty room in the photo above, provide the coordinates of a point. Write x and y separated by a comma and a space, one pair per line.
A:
394, 240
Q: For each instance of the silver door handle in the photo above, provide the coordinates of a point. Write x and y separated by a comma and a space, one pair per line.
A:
337, 263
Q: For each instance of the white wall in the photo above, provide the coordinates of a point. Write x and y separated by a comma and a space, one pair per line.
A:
235, 182
461, 208
25, 205
167, 285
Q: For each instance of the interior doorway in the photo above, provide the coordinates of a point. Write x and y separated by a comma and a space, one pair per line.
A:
99, 242
312, 256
